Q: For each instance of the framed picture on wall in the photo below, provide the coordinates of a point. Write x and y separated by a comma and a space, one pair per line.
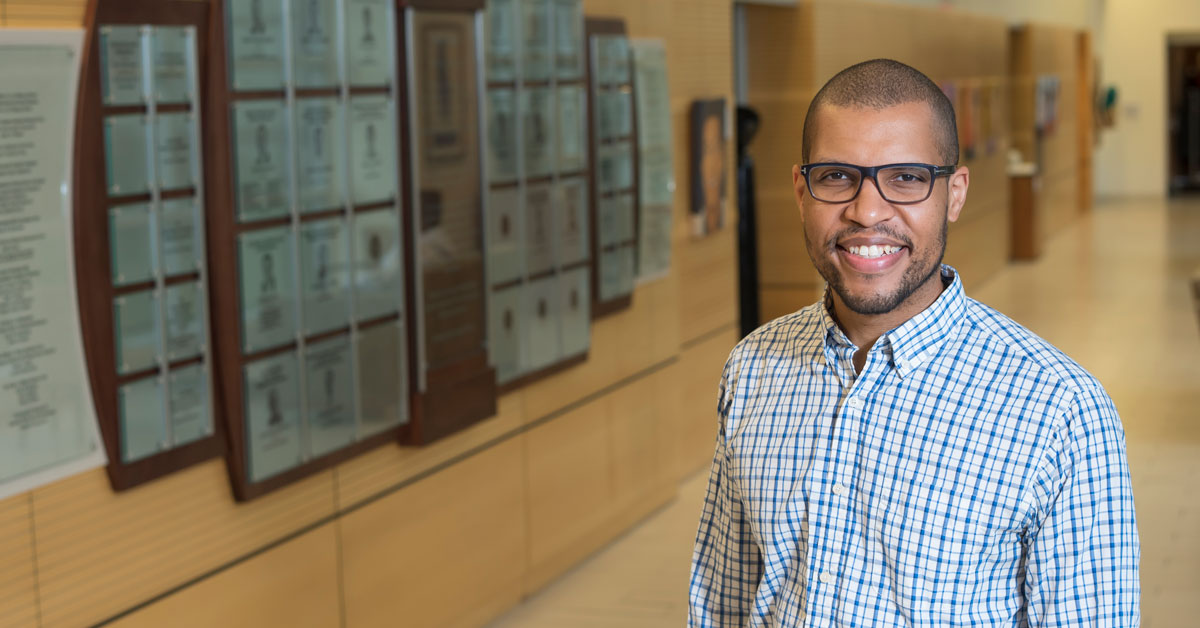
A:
708, 167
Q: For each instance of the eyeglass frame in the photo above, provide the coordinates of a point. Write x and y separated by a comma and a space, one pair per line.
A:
869, 172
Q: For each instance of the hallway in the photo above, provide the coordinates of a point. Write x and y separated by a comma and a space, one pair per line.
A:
1113, 292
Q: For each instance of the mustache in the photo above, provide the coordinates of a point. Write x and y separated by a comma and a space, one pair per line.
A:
878, 230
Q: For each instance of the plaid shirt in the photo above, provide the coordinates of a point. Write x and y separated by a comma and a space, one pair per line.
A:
971, 475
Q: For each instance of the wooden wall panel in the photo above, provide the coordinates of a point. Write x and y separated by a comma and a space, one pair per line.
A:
700, 367
18, 588
783, 300
447, 551
41, 13
294, 585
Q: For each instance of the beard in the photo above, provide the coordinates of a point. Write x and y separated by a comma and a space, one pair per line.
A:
923, 265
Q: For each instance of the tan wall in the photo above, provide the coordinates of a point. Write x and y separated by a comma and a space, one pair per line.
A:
792, 52
447, 535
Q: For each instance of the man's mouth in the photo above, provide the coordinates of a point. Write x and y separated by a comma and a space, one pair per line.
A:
873, 251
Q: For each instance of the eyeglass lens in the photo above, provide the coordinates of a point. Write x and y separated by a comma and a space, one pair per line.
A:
901, 184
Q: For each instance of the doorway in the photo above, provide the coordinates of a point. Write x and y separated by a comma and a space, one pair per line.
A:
1183, 113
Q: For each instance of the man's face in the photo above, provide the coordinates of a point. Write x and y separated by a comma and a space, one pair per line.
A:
838, 235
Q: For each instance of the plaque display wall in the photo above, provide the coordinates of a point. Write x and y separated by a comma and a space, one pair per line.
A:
455, 385
656, 168
308, 247
538, 247
140, 237
613, 129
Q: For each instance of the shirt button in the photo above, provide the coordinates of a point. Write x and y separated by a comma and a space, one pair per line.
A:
839, 489
826, 578
855, 403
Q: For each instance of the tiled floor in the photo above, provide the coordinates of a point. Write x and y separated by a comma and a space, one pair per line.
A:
1113, 292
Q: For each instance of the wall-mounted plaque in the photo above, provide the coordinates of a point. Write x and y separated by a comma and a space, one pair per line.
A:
535, 36
130, 229
122, 75
319, 153
615, 219
500, 45
539, 229
543, 341
382, 378
330, 383
372, 149
314, 43
272, 416
126, 140
572, 128
575, 291
616, 272
173, 63
445, 93
378, 253
266, 284
174, 150
189, 415
184, 321
260, 150
324, 262
502, 135
506, 312
574, 243
505, 224
136, 334
143, 431
369, 47
568, 39
537, 105
255, 34
178, 236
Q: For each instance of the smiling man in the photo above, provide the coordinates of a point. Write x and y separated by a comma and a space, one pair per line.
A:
899, 454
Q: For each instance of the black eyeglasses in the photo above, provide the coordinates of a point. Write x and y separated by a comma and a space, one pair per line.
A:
902, 184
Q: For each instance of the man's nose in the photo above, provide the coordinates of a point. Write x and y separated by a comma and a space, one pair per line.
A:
869, 207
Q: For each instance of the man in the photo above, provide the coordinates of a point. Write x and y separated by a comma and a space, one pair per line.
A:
899, 454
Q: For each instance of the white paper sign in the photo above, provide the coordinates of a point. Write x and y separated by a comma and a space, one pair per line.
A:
47, 421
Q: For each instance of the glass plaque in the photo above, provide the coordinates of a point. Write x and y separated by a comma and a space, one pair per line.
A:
185, 321
178, 236
611, 58
504, 333
574, 244
314, 43
535, 31
126, 141
260, 136
537, 105
131, 244
372, 150
382, 378
616, 273
330, 387
539, 229
568, 39
319, 153
121, 72
572, 128
143, 431
255, 36
622, 154
543, 345
174, 63
189, 416
444, 87
505, 254
272, 416
378, 252
614, 114
325, 268
502, 135
615, 219
174, 150
137, 337
267, 288
368, 46
500, 47
575, 291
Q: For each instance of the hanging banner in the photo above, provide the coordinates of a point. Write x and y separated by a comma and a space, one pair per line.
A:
48, 425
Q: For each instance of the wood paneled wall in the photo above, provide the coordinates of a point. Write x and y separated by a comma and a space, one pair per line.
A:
446, 535
792, 52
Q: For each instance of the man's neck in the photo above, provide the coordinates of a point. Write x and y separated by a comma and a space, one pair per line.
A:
864, 329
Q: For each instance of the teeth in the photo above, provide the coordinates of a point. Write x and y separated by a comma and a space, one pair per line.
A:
873, 250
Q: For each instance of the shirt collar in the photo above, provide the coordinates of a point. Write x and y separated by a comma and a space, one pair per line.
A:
920, 337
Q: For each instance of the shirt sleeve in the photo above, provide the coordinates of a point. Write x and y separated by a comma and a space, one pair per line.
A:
1082, 566
726, 563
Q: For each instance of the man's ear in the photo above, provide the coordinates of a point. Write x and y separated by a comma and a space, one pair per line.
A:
799, 188
959, 182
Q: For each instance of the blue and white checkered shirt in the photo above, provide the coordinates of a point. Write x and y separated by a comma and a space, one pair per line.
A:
971, 475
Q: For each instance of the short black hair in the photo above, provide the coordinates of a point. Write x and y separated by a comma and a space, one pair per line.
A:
882, 83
